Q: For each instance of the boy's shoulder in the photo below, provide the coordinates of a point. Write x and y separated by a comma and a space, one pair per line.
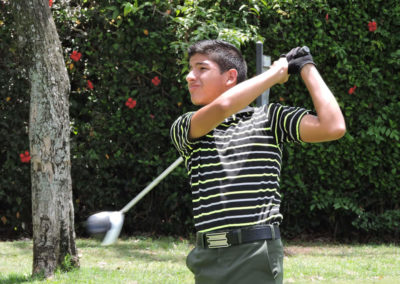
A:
185, 115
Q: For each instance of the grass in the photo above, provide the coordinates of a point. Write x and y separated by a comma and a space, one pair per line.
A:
319, 263
145, 260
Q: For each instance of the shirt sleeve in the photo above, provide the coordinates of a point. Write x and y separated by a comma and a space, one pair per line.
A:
179, 133
285, 122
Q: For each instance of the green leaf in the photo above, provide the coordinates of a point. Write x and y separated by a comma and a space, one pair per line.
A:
128, 8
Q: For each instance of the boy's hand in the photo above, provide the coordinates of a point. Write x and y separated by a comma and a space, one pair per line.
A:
281, 68
298, 57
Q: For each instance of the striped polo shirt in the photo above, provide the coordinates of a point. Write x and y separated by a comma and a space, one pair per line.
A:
234, 170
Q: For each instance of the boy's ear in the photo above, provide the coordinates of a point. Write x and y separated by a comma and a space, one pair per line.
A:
231, 77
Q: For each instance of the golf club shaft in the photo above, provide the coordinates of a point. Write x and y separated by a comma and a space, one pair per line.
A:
259, 57
261, 62
152, 185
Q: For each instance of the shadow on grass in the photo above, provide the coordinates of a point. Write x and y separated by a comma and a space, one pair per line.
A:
146, 249
23, 245
14, 279
343, 251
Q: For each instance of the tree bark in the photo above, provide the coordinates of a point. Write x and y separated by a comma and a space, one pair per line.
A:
49, 135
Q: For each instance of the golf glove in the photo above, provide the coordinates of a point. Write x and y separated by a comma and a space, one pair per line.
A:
297, 58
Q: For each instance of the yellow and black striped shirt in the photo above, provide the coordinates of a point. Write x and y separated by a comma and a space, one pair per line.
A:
234, 170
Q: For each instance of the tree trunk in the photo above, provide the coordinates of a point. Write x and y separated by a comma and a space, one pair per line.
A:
49, 134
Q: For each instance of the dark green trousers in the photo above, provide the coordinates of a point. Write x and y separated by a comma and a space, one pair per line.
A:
258, 262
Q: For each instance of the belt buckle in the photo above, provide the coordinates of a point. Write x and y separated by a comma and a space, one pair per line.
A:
217, 240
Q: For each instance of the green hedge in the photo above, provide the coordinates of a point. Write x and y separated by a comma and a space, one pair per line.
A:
136, 49
15, 195
352, 186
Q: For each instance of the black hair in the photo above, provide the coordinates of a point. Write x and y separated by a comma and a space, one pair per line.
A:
225, 54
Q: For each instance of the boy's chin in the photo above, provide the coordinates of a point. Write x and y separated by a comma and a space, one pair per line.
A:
197, 102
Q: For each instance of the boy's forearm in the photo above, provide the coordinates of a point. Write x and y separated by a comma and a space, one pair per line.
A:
235, 99
246, 92
329, 116
324, 102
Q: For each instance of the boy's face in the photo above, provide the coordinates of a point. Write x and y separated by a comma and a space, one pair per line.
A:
205, 81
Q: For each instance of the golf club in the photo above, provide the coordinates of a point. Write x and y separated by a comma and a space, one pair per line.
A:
263, 62
111, 223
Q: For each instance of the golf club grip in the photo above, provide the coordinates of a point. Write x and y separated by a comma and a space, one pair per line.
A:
303, 51
151, 185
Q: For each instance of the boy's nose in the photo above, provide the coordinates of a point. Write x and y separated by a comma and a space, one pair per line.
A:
190, 76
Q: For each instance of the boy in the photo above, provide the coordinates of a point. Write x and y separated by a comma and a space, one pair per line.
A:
233, 156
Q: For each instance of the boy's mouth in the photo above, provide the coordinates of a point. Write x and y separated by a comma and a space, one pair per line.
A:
193, 86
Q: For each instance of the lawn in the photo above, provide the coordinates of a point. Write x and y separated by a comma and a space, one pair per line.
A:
142, 260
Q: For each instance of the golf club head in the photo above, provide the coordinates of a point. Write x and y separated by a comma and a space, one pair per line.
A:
98, 224
116, 220
108, 223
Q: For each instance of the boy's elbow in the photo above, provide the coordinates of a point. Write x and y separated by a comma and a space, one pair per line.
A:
224, 108
338, 131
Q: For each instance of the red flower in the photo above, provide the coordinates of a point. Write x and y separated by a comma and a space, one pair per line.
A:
152, 116
156, 81
25, 157
372, 26
75, 56
90, 84
352, 90
50, 3
326, 17
131, 103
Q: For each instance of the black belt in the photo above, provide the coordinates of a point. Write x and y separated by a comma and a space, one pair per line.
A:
220, 239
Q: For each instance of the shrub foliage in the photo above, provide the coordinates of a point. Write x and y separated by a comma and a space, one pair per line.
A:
126, 61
